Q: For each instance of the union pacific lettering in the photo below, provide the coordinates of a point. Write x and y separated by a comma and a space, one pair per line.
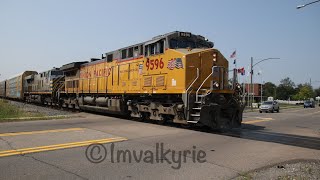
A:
101, 72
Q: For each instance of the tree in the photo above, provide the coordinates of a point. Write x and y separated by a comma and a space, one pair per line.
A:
286, 89
305, 92
296, 91
287, 82
298, 87
269, 89
317, 92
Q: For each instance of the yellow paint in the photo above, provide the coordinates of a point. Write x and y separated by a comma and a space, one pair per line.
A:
151, 74
58, 146
256, 121
40, 132
264, 118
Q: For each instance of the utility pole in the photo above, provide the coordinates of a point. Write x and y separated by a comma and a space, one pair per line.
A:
248, 101
310, 81
251, 87
261, 92
251, 74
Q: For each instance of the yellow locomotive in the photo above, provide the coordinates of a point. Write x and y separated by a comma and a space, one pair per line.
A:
175, 77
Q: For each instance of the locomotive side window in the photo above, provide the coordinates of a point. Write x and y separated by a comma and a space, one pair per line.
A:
130, 52
141, 50
109, 57
124, 54
152, 49
53, 73
136, 51
146, 50
161, 46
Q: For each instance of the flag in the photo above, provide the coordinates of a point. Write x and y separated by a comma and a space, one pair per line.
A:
234, 61
175, 63
233, 55
241, 71
179, 63
171, 64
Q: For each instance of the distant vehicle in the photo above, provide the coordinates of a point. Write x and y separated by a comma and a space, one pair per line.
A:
269, 106
309, 103
270, 98
318, 99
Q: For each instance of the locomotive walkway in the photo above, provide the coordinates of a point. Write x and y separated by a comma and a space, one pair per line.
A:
59, 148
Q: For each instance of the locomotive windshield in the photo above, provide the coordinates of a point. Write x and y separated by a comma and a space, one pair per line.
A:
189, 43
56, 73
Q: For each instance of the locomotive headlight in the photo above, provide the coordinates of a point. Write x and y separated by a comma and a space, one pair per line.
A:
215, 85
214, 57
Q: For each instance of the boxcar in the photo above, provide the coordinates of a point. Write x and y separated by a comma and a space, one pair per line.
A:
3, 89
15, 86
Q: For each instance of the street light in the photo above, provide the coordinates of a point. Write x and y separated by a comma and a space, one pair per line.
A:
251, 74
304, 5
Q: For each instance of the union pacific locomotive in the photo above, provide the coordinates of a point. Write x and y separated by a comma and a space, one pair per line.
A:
176, 77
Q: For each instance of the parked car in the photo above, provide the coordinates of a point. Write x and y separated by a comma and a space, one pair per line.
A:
309, 103
269, 106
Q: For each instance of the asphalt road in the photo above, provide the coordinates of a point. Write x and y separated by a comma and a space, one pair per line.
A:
59, 149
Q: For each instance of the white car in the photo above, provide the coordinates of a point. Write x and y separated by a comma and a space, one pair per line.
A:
269, 106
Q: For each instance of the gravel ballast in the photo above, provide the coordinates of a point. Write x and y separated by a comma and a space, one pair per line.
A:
303, 169
46, 111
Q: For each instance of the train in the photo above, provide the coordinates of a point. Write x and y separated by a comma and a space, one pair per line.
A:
178, 77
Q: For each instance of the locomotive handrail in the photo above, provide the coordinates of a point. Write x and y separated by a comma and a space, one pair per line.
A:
193, 80
188, 94
197, 98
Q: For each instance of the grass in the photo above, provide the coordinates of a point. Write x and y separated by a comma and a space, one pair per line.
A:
244, 176
8, 111
288, 106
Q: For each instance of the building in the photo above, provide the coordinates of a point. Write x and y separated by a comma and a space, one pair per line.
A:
257, 88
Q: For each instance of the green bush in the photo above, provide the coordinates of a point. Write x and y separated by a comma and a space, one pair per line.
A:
9, 111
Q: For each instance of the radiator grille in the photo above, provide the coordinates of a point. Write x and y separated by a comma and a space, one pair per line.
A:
160, 81
148, 81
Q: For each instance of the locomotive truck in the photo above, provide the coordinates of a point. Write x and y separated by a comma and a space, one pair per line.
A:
176, 77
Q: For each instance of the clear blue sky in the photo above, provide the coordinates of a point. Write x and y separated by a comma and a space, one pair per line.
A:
41, 34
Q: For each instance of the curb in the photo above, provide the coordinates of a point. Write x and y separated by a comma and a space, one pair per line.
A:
36, 118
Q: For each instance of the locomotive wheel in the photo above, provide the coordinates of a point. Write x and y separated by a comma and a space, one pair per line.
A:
139, 119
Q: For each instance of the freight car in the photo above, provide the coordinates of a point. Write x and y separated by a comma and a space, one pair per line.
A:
175, 77
3, 89
15, 86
